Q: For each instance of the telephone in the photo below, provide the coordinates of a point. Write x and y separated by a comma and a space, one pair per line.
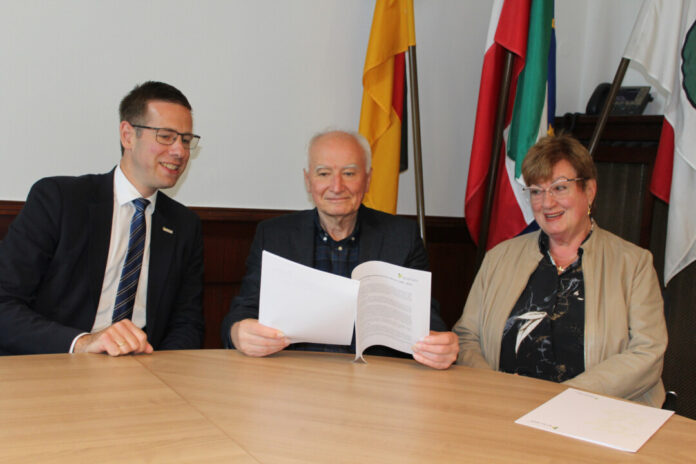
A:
629, 100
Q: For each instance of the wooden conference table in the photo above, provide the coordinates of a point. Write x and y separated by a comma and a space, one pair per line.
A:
220, 406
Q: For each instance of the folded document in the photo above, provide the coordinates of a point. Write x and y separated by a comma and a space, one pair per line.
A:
595, 418
388, 305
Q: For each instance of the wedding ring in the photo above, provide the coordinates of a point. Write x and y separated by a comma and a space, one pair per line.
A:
120, 343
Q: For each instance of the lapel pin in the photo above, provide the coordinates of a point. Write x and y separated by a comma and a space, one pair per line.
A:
167, 230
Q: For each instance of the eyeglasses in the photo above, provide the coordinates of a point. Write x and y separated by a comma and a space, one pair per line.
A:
557, 189
169, 136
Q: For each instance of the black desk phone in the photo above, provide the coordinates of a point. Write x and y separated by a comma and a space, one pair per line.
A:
629, 100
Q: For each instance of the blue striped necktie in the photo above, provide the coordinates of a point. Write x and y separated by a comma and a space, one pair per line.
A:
128, 285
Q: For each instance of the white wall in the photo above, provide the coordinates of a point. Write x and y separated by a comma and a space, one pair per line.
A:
591, 37
262, 76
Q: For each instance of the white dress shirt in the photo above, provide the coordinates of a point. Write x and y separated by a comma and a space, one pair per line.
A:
124, 194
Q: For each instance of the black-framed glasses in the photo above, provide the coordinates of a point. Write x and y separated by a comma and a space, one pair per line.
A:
557, 189
169, 136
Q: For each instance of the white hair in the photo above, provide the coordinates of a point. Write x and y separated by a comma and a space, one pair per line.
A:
358, 137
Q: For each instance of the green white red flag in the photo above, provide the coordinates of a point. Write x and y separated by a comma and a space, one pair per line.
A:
525, 28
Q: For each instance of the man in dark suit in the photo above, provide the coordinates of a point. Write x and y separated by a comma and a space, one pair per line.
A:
107, 263
335, 237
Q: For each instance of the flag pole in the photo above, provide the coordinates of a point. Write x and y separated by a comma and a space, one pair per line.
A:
417, 150
608, 104
495, 156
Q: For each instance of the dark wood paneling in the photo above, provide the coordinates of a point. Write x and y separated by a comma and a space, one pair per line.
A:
8, 211
452, 256
227, 237
624, 185
680, 360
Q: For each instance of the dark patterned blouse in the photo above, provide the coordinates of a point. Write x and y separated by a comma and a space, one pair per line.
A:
544, 335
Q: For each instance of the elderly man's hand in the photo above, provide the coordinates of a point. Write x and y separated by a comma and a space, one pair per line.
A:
438, 350
121, 338
254, 339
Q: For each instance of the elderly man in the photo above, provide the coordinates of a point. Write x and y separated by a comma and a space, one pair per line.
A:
106, 262
335, 237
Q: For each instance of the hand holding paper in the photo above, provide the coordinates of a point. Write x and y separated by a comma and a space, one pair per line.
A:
438, 350
394, 306
388, 304
255, 339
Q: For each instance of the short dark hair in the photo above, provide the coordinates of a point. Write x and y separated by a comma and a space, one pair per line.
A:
543, 156
133, 107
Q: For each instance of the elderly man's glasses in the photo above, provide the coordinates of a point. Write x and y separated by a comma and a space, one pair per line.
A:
558, 189
169, 136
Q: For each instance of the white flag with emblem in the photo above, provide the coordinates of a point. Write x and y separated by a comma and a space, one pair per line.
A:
663, 46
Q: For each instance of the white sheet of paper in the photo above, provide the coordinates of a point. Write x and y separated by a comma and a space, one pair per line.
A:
307, 305
595, 418
394, 306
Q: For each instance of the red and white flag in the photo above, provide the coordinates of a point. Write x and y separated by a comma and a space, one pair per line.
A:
525, 29
663, 46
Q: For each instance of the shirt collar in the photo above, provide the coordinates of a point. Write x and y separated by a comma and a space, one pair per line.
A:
544, 240
353, 237
125, 192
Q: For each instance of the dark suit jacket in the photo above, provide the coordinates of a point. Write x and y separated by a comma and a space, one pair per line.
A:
53, 259
383, 237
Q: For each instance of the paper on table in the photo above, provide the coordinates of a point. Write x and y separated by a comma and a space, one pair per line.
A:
307, 305
595, 418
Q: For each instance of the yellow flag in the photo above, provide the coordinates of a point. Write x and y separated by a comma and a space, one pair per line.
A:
393, 31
